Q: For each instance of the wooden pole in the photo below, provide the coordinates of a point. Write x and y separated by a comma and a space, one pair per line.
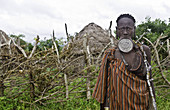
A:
88, 59
32, 92
65, 75
67, 32
53, 38
168, 50
0, 46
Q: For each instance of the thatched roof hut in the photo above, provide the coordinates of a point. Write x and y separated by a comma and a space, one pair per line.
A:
92, 35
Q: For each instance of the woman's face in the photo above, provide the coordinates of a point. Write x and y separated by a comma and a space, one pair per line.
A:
125, 28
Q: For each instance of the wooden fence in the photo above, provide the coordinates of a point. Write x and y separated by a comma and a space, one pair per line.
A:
46, 77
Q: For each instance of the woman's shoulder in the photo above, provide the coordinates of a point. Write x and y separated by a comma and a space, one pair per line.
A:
110, 50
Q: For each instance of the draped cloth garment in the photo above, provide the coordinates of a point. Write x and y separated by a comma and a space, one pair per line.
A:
122, 89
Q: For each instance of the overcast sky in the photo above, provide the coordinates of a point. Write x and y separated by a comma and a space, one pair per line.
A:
41, 17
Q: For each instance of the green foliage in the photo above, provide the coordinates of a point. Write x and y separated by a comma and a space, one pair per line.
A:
42, 45
12, 104
25, 45
17, 36
73, 104
155, 28
43, 78
49, 43
29, 47
20, 36
162, 103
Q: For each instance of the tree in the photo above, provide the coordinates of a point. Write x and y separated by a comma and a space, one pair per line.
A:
18, 39
153, 28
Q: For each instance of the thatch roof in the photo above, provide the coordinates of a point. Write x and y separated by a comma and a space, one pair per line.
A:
97, 37
3, 37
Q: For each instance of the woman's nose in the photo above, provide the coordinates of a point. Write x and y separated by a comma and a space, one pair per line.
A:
125, 32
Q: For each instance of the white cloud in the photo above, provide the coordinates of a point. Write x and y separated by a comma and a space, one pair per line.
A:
40, 17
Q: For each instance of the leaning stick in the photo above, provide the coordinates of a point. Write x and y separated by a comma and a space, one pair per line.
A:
158, 61
22, 50
53, 39
35, 46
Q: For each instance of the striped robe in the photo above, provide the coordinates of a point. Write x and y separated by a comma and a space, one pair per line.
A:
121, 89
